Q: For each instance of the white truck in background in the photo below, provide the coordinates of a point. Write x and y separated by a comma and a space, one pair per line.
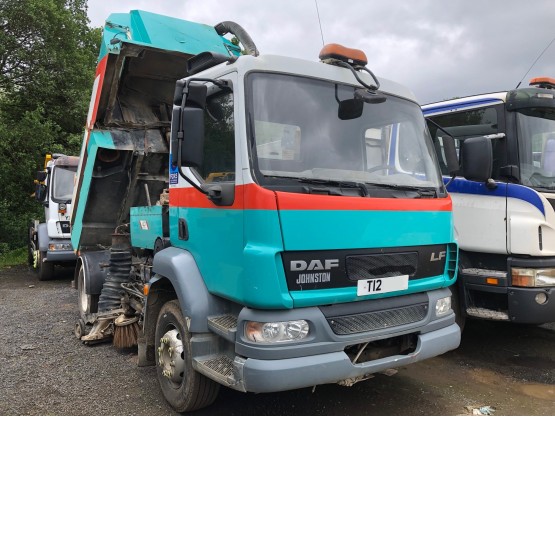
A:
505, 226
50, 240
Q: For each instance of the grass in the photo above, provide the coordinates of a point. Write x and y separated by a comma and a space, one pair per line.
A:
13, 258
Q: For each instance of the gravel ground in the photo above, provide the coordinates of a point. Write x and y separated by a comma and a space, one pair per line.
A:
47, 371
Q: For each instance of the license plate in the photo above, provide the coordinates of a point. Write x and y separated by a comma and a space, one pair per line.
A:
382, 285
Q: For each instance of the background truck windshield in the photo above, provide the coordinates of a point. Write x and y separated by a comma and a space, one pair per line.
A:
536, 147
62, 180
298, 136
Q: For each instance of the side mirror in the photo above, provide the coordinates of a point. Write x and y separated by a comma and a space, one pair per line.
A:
350, 109
41, 176
450, 152
187, 133
40, 192
477, 159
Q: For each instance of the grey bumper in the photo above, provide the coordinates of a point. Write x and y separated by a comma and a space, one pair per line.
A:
60, 257
262, 376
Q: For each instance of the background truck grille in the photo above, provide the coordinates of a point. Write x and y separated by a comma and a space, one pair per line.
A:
379, 320
382, 265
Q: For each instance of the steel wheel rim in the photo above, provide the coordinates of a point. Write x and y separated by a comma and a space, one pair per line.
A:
171, 358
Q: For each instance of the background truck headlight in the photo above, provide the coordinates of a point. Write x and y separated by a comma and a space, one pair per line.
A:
533, 277
443, 306
276, 332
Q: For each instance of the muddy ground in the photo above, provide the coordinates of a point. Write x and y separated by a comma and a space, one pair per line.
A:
45, 370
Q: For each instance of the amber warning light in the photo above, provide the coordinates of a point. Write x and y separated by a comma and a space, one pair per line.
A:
543, 82
333, 53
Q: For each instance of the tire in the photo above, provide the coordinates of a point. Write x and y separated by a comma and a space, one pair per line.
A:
88, 304
45, 269
31, 246
183, 387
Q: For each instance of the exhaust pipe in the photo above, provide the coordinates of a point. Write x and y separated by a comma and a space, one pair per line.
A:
242, 36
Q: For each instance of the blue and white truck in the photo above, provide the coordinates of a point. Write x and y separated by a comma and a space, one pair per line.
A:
259, 222
505, 225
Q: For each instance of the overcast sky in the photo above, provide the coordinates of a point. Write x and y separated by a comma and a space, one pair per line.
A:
438, 48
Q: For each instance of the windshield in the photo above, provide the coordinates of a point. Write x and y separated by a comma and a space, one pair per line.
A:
62, 179
536, 147
298, 138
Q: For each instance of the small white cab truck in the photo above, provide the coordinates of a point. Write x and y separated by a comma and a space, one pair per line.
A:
50, 241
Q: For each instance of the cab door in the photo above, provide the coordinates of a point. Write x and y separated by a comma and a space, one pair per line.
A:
479, 210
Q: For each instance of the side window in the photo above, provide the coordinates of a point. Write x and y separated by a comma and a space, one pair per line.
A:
472, 123
219, 139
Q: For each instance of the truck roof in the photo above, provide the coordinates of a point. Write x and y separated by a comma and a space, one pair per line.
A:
312, 68
464, 102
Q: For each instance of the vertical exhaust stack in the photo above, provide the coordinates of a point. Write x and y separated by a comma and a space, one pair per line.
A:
242, 36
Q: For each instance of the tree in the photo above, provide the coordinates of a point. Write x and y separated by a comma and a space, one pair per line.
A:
47, 60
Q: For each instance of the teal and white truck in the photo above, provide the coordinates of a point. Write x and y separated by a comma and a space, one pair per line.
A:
259, 222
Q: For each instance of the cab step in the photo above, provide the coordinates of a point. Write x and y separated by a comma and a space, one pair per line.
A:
225, 325
217, 367
487, 313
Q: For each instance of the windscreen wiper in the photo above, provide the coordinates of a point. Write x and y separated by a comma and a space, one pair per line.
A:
327, 186
335, 183
423, 191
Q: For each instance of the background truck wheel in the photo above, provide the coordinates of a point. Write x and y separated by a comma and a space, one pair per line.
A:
31, 246
45, 269
184, 388
88, 304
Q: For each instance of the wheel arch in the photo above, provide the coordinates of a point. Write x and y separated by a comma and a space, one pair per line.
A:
178, 270
95, 268
42, 236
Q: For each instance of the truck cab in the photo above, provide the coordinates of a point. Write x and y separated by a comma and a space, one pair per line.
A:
505, 225
50, 241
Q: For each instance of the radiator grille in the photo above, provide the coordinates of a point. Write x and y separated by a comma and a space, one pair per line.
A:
379, 320
382, 265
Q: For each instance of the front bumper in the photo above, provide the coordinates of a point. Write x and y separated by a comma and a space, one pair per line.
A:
61, 256
322, 358
263, 376
524, 309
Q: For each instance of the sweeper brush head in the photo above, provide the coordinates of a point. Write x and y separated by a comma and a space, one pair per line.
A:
126, 331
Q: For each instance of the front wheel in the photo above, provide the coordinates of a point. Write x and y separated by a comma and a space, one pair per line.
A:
45, 269
183, 387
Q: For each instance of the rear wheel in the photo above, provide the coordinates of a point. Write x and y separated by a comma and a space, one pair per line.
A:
183, 387
88, 304
45, 269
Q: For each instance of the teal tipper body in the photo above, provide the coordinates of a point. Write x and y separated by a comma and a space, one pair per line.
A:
163, 33
239, 252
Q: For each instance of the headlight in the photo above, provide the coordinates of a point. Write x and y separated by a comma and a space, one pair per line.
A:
60, 247
531, 277
276, 332
443, 306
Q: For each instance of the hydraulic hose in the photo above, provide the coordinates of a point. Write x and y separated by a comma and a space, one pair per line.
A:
242, 36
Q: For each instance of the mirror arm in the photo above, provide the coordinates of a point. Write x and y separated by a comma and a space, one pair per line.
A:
368, 87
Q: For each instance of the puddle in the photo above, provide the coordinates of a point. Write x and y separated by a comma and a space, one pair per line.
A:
545, 392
